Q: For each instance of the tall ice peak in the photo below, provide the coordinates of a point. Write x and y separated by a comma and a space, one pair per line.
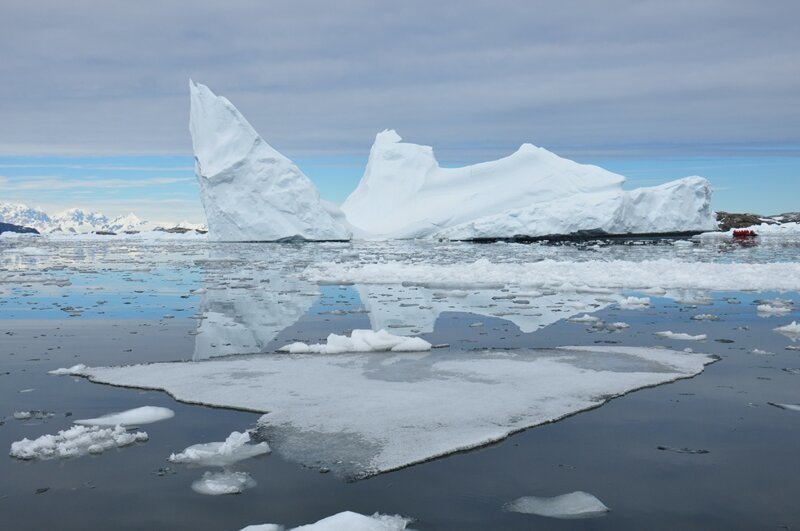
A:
250, 191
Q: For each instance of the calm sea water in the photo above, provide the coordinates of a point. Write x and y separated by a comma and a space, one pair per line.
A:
120, 302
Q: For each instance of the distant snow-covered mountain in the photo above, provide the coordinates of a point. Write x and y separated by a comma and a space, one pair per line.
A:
76, 220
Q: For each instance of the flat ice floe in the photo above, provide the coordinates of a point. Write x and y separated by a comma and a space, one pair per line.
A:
359, 414
131, 417
361, 341
74, 442
572, 276
345, 521
234, 449
576, 504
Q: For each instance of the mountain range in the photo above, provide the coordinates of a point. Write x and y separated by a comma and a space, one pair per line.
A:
76, 220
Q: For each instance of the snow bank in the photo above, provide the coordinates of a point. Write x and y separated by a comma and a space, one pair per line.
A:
225, 482
361, 341
250, 192
345, 521
576, 504
234, 449
74, 442
358, 415
131, 417
572, 276
404, 193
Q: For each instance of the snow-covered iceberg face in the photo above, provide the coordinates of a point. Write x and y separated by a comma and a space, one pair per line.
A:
251, 192
405, 193
533, 192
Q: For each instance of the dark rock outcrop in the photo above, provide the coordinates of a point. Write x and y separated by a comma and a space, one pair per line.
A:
10, 227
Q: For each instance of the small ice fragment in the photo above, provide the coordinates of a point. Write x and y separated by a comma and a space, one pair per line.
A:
74, 442
634, 303
131, 417
232, 450
225, 482
790, 407
617, 326
760, 352
345, 521
361, 341
585, 318
705, 317
668, 334
74, 370
576, 504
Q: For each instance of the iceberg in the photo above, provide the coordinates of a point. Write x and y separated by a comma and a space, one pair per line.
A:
533, 192
250, 192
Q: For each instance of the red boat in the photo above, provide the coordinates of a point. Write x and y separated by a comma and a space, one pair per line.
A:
744, 233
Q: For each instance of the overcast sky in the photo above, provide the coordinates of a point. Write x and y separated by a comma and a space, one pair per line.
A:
615, 81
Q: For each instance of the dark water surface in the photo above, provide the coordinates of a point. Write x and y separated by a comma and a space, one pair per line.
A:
748, 479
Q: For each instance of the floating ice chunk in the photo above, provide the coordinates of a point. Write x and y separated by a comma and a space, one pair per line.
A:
668, 334
617, 326
225, 482
585, 318
358, 416
790, 407
576, 504
768, 310
361, 341
74, 442
634, 303
232, 450
792, 330
345, 521
131, 417
34, 414
74, 370
705, 317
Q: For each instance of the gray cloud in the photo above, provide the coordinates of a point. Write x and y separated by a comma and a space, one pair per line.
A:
473, 79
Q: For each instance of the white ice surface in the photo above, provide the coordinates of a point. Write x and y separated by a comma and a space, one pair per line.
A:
225, 482
74, 442
791, 330
131, 417
233, 449
576, 504
361, 341
251, 192
669, 334
66, 371
344, 521
572, 276
361, 414
404, 193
